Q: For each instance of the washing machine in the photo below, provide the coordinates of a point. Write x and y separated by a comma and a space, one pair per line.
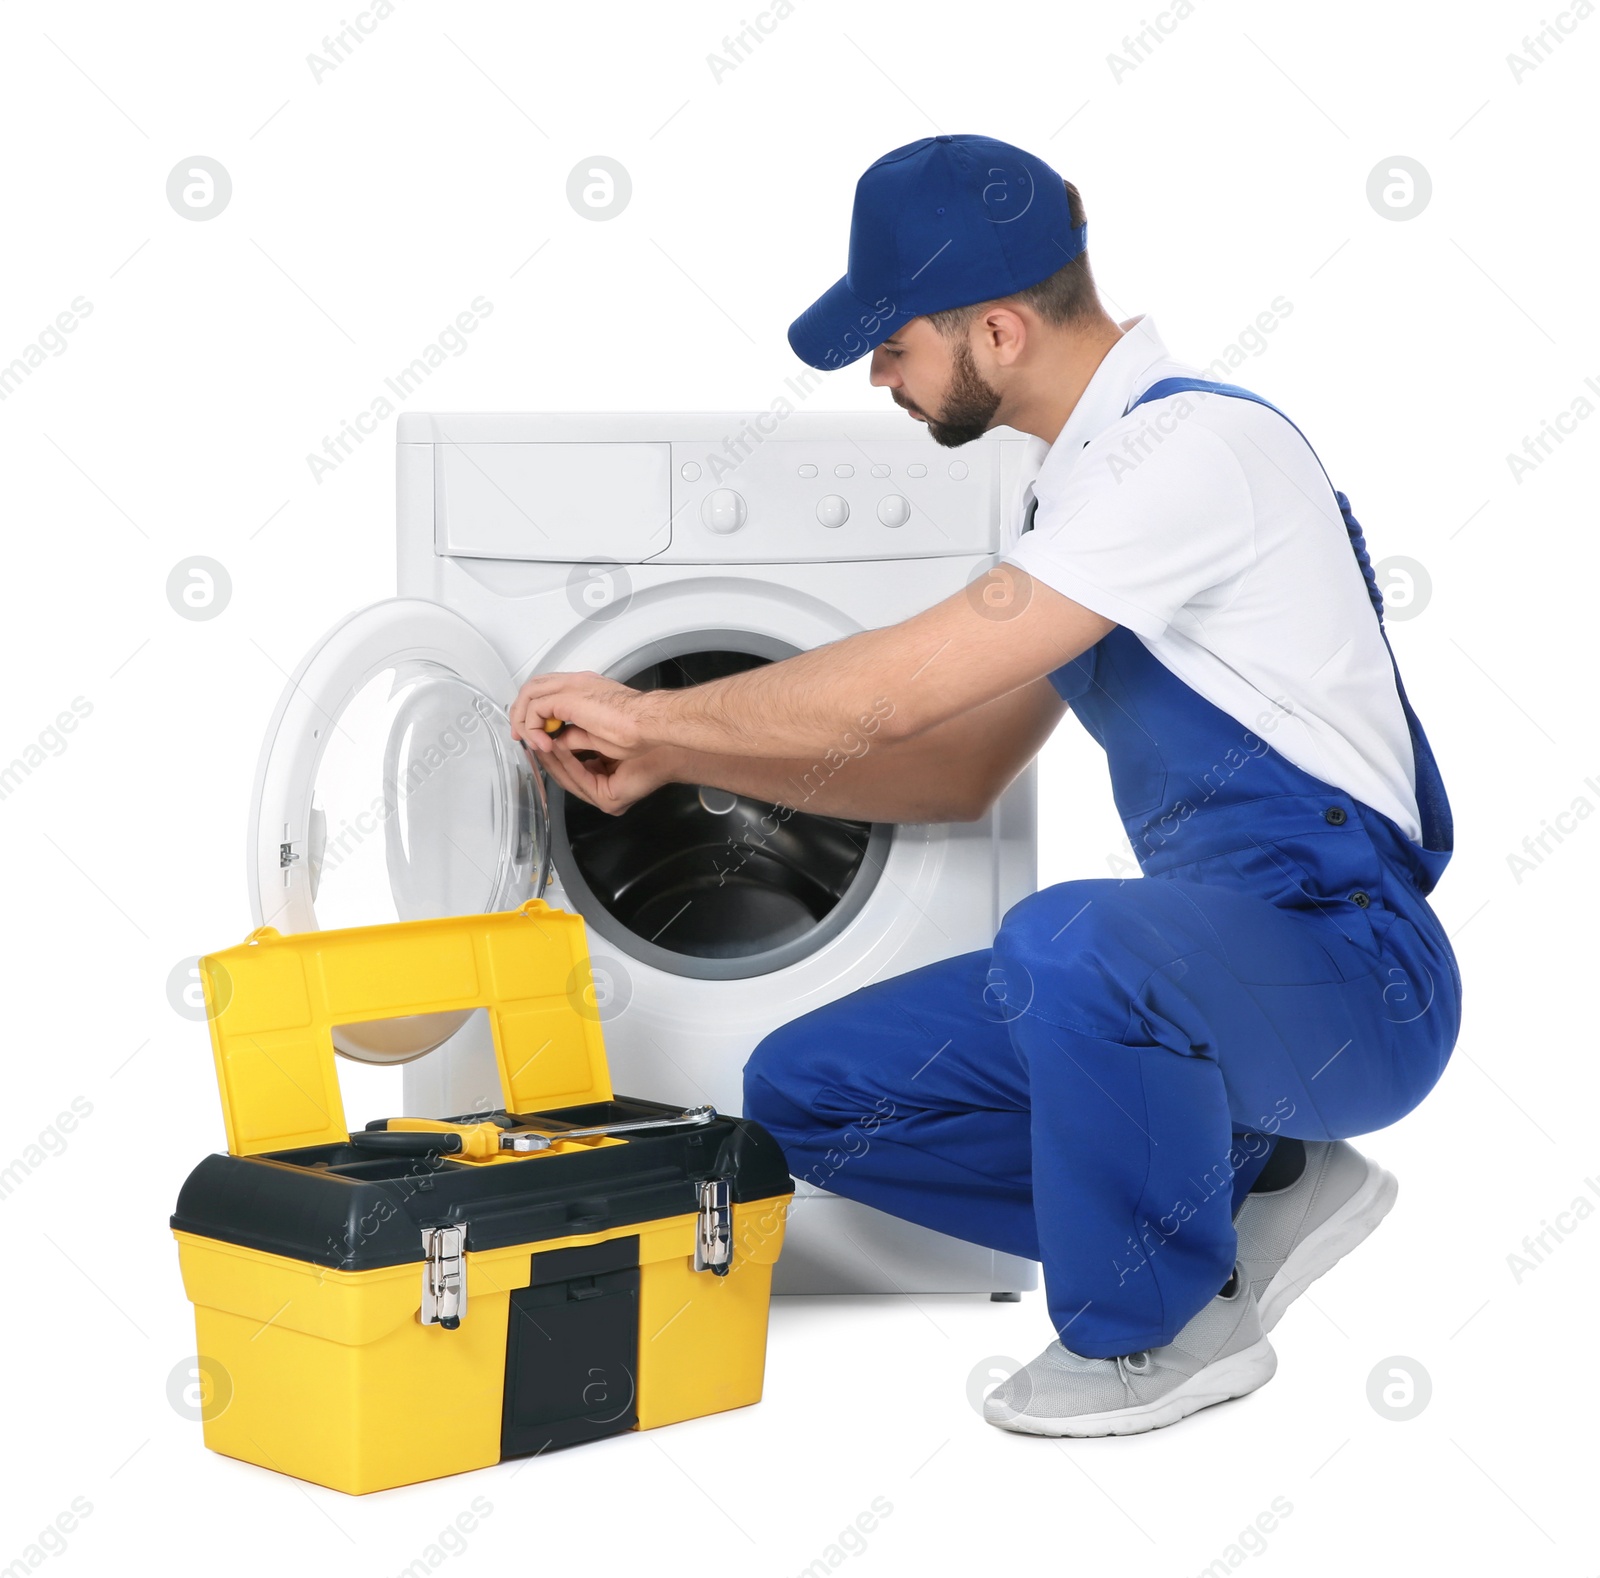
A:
660, 549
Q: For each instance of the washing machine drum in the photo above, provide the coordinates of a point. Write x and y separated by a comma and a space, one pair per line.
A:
704, 882
715, 875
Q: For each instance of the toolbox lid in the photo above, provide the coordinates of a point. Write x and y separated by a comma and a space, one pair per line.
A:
274, 1002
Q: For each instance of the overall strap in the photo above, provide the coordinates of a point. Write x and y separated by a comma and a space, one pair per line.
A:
1433, 805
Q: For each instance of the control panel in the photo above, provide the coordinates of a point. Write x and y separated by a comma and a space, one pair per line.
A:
752, 500
807, 487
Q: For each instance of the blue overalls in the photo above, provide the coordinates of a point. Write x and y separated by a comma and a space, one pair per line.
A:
1099, 1089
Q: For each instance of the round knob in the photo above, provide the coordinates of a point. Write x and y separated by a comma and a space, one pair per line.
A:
833, 511
893, 510
723, 511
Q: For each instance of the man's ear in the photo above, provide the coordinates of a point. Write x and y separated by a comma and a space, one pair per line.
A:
1005, 331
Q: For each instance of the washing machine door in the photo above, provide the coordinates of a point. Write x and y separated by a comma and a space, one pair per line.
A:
390, 789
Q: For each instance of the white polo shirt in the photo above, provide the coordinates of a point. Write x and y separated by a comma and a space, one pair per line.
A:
1206, 526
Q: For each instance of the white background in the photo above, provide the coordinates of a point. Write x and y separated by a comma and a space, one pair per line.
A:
1228, 168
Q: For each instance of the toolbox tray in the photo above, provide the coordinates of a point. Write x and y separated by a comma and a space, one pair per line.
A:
339, 1206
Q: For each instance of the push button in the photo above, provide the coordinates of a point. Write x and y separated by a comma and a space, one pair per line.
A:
723, 511
1334, 815
833, 511
894, 510
1360, 900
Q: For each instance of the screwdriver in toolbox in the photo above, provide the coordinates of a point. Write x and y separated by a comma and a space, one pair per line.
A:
488, 1137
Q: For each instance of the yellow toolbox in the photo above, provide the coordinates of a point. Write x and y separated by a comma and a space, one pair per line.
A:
427, 1296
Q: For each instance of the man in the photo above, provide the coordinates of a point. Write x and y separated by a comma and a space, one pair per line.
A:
1145, 1084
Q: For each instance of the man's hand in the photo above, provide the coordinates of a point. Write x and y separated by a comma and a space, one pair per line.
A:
607, 783
600, 714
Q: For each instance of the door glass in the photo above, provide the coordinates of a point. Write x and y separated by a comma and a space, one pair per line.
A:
424, 805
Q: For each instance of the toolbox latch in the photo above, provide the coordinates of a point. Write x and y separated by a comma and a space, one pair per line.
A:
713, 1232
444, 1275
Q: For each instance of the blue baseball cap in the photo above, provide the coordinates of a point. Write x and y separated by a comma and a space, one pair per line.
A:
942, 222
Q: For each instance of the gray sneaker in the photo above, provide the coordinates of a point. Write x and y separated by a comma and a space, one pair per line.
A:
1288, 1238
1223, 1352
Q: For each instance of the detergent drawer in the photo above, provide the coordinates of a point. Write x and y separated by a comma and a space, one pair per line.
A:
552, 502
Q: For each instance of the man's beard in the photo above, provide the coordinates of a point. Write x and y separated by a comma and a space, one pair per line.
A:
970, 405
